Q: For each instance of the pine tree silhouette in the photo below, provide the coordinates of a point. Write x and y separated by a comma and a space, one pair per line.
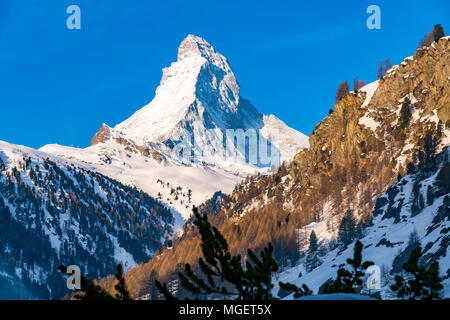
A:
432, 282
223, 273
347, 229
438, 32
349, 281
121, 286
420, 282
91, 291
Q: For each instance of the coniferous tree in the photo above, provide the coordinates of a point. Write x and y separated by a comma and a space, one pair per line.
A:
380, 72
414, 239
164, 290
438, 32
387, 65
223, 273
313, 245
91, 291
405, 113
349, 281
312, 259
347, 229
419, 282
121, 286
432, 282
434, 35
358, 84
342, 90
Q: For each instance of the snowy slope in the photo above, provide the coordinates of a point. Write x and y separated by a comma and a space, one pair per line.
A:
396, 216
134, 169
197, 109
57, 211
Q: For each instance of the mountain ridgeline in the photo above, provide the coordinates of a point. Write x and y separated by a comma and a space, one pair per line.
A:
195, 133
374, 169
54, 212
374, 137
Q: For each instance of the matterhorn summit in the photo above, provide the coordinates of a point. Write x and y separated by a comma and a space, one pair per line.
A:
197, 133
199, 89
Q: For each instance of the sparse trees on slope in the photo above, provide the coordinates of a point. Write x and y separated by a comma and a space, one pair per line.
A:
427, 152
434, 35
358, 84
387, 65
427, 40
342, 90
383, 68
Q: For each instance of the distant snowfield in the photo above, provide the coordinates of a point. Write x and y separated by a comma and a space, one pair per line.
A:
143, 173
13, 156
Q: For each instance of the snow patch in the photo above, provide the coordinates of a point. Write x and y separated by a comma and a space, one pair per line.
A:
370, 90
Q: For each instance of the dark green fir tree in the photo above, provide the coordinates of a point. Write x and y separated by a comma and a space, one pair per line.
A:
224, 274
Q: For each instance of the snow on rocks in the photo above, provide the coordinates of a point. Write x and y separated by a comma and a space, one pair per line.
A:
198, 97
388, 235
370, 90
368, 122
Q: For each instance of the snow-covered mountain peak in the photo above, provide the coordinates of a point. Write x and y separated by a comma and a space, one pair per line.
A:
198, 109
199, 87
194, 46
199, 94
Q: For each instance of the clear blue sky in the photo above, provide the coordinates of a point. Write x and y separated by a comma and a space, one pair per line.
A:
59, 85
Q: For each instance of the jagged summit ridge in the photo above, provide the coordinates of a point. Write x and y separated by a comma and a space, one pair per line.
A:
199, 86
199, 96
198, 93
194, 46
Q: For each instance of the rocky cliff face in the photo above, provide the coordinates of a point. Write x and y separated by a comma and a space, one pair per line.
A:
355, 154
364, 135
413, 211
103, 135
